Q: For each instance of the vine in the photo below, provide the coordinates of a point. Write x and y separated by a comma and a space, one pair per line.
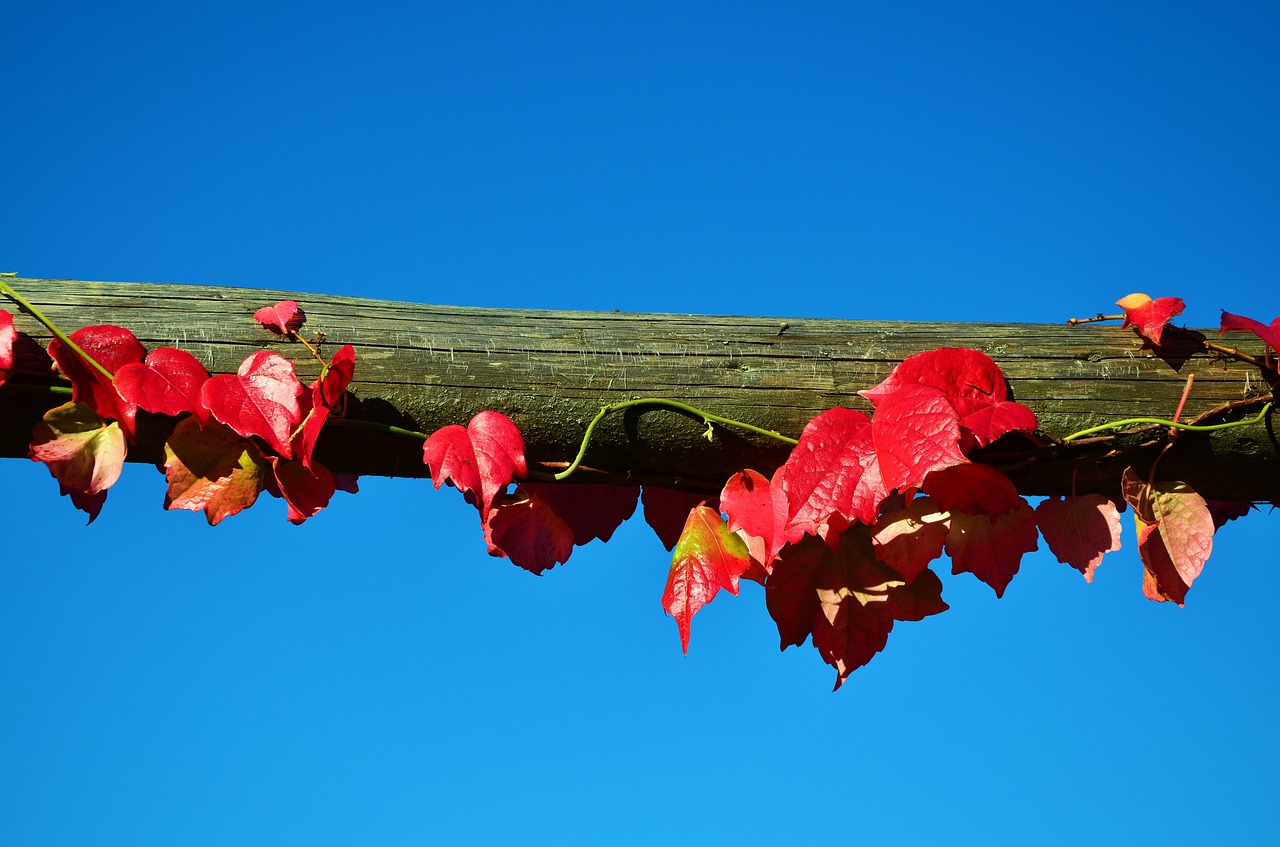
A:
842, 535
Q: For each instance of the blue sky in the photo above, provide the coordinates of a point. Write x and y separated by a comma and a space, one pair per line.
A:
373, 676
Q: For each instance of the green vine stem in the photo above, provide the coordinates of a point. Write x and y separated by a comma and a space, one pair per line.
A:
707, 418
8, 291
1171, 424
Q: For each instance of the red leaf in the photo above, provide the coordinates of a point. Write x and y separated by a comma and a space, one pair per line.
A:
845, 465
590, 511
789, 592
525, 528
261, 398
916, 600
304, 489
167, 383
7, 336
973, 383
1149, 316
90, 504
908, 539
113, 347
211, 469
667, 509
973, 489
1079, 530
1270, 335
326, 394
483, 458
282, 318
1175, 535
706, 558
82, 451
757, 511
992, 548
1225, 510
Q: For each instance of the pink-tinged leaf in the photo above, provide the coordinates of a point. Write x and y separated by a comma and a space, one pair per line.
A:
707, 557
526, 529
480, 460
282, 318
667, 509
845, 465
973, 383
7, 336
326, 394
1270, 335
757, 510
82, 451
1149, 316
212, 470
90, 504
305, 490
261, 398
992, 549
1175, 535
908, 539
1080, 530
973, 489
167, 383
113, 347
590, 511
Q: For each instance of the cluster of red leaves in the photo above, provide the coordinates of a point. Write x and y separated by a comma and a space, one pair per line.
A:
234, 435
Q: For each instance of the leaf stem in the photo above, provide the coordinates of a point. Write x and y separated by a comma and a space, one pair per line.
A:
12, 294
1171, 424
708, 419
386, 429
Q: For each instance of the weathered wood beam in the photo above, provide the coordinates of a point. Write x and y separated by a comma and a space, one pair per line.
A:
422, 367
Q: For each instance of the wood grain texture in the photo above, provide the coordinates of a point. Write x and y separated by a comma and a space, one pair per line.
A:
422, 367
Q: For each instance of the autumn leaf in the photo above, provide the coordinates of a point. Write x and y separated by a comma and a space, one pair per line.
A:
974, 384
789, 592
590, 510
113, 347
974, 489
707, 557
1149, 316
90, 504
667, 509
1270, 335
260, 398
282, 318
1080, 530
212, 470
480, 459
7, 336
1175, 535
167, 383
908, 539
525, 528
992, 548
82, 451
305, 489
757, 510
325, 396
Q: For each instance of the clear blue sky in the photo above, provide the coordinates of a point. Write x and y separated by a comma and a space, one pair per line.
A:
373, 677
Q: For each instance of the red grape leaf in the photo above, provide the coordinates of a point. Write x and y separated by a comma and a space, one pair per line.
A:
757, 511
1270, 335
1175, 535
282, 318
211, 469
7, 335
1080, 530
973, 489
908, 539
82, 451
304, 489
167, 383
113, 347
590, 511
1149, 316
326, 394
481, 459
707, 557
525, 528
992, 548
845, 465
973, 383
667, 509
261, 398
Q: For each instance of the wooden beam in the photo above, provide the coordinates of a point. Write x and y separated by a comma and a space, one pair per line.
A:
421, 367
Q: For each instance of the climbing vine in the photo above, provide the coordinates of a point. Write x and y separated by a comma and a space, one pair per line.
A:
842, 535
